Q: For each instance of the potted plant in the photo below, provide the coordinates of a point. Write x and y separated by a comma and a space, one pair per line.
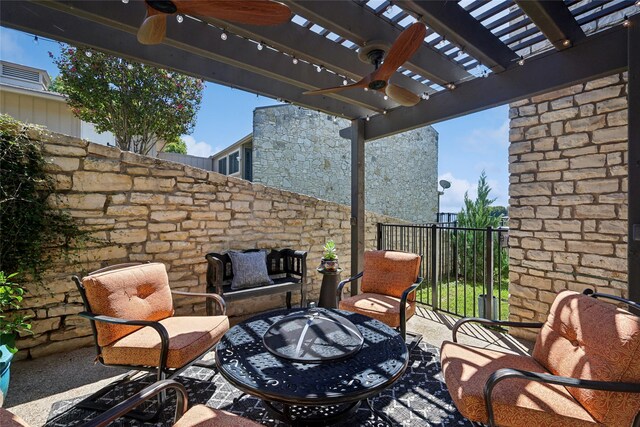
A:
329, 260
10, 298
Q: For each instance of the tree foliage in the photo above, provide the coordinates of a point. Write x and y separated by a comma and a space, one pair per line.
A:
139, 104
478, 213
178, 146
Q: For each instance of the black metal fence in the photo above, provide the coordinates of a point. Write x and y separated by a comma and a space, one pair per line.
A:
460, 266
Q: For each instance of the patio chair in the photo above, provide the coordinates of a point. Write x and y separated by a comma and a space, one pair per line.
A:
389, 283
130, 307
197, 416
584, 370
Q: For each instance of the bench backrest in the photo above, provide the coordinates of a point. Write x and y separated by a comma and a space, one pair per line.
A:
593, 340
278, 262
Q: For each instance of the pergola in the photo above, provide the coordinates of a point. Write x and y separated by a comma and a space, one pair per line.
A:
477, 54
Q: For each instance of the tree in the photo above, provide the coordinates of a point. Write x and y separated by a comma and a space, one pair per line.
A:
479, 214
139, 104
178, 146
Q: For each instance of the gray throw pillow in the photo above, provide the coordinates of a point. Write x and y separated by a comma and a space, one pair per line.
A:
249, 269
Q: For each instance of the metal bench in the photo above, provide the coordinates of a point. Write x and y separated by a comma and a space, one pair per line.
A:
286, 267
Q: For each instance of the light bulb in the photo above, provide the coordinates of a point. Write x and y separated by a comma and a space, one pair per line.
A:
125, 1
318, 68
260, 46
179, 18
88, 54
35, 40
485, 74
368, 118
384, 112
294, 61
345, 82
366, 89
521, 61
224, 36
451, 86
626, 22
460, 53
424, 96
385, 97
129, 67
566, 43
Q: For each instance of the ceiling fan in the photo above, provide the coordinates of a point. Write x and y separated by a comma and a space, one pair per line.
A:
252, 12
402, 49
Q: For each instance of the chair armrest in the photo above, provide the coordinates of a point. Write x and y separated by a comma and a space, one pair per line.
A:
460, 322
408, 291
217, 298
341, 285
215, 274
161, 330
142, 396
504, 373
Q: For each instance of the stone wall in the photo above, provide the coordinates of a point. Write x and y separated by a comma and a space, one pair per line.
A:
300, 150
568, 189
145, 209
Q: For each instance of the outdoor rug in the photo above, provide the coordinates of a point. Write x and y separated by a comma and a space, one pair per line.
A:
419, 398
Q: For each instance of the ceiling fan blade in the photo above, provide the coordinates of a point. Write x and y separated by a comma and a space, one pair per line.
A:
361, 83
252, 12
401, 95
403, 48
153, 28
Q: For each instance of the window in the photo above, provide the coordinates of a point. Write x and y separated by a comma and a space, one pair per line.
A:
222, 166
234, 162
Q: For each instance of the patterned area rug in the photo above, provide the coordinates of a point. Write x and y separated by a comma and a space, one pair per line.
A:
419, 398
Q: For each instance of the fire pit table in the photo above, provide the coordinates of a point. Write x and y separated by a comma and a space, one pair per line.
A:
312, 366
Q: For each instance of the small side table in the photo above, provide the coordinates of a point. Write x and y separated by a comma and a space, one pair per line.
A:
329, 287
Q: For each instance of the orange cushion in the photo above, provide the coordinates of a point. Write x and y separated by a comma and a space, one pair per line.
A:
382, 307
189, 337
203, 416
139, 292
516, 402
592, 339
389, 272
7, 419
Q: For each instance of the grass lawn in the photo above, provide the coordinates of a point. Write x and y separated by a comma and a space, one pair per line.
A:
454, 302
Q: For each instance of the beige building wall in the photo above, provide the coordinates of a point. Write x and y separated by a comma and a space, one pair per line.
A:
568, 195
50, 111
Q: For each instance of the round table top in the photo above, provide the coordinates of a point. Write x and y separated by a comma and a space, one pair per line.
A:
245, 362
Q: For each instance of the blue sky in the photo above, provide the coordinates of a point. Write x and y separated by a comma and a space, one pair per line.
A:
467, 145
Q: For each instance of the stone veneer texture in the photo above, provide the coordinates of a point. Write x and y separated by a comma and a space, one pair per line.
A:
300, 150
568, 195
147, 209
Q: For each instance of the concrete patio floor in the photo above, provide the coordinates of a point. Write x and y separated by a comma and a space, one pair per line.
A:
37, 384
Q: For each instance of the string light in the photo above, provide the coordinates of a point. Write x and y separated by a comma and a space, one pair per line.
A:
179, 18
425, 96
368, 118
294, 61
88, 54
260, 46
385, 97
626, 22
485, 74
224, 36
318, 68
451, 86
125, 1
35, 39
129, 67
460, 54
566, 43
345, 82
521, 61
384, 112
366, 89
389, 8
335, 119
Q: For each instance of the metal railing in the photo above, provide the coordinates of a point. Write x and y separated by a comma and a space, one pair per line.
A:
462, 267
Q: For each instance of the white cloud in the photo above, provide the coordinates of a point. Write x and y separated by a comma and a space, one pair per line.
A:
198, 148
453, 198
482, 137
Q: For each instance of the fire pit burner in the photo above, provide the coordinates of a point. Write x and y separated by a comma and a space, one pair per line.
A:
313, 336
